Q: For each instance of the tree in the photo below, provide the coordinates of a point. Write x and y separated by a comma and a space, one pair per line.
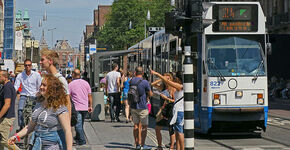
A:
116, 34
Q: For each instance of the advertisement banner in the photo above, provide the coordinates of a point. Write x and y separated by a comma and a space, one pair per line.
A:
18, 40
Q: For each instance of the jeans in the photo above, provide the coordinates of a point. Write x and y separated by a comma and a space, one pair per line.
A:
46, 136
114, 101
80, 134
21, 106
61, 135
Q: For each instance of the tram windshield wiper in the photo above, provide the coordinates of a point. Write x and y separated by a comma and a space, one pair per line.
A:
216, 69
258, 70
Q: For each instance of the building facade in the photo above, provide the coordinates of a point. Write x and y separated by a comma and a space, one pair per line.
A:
26, 47
8, 45
1, 25
92, 30
69, 58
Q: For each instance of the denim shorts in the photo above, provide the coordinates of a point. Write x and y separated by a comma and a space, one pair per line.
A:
125, 96
178, 126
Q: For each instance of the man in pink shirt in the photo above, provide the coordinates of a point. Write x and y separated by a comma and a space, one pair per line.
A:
80, 92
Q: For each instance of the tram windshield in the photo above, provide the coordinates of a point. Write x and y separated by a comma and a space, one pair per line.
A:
235, 56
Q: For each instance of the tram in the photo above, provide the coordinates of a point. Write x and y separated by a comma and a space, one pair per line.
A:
231, 67
232, 63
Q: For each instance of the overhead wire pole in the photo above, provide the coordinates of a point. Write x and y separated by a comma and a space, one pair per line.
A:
51, 36
192, 26
188, 94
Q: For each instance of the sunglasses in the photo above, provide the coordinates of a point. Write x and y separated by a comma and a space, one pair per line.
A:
28, 65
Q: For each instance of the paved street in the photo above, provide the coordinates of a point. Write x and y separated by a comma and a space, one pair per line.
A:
275, 138
107, 135
118, 135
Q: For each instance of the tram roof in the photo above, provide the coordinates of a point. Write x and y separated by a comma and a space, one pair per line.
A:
116, 53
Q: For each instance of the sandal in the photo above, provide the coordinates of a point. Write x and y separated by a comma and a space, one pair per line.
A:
159, 148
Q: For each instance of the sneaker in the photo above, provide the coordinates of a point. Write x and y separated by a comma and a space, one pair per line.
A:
168, 145
145, 147
118, 120
138, 147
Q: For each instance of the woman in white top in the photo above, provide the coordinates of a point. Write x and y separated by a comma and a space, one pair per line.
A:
178, 109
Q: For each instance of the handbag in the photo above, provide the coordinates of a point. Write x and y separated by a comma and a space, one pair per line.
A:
74, 115
159, 115
167, 111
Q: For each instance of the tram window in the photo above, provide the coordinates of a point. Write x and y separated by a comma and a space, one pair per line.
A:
158, 59
134, 58
172, 57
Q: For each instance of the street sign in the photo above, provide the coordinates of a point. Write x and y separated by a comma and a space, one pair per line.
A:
92, 48
70, 64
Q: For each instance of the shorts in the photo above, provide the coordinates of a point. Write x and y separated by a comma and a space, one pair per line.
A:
125, 96
178, 125
140, 115
162, 123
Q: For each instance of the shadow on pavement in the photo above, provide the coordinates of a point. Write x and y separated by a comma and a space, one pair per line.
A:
115, 145
281, 104
219, 136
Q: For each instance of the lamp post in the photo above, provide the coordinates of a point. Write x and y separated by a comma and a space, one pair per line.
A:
147, 18
51, 36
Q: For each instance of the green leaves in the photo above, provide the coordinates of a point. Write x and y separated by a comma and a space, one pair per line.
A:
116, 33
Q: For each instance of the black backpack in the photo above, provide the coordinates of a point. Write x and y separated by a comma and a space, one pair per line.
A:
133, 94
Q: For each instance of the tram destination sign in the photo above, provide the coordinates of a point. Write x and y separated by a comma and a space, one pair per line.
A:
235, 18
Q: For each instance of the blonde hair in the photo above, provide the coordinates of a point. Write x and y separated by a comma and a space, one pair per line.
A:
51, 55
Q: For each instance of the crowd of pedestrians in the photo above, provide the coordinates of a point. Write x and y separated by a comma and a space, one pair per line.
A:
279, 88
59, 102
122, 88
53, 102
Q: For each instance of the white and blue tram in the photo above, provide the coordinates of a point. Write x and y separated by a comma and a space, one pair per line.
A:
232, 92
231, 86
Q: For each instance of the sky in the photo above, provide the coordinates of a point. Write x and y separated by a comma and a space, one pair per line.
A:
69, 17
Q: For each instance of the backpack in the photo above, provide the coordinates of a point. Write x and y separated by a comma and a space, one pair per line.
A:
133, 94
74, 114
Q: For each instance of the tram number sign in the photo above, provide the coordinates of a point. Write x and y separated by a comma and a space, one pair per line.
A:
235, 18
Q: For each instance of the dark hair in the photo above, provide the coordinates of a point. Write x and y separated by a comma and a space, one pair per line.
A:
27, 60
139, 71
179, 77
114, 65
5, 73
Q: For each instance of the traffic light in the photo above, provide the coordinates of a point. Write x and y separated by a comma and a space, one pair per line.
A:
173, 23
194, 11
194, 8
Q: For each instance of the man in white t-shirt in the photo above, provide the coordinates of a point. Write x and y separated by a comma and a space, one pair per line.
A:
113, 92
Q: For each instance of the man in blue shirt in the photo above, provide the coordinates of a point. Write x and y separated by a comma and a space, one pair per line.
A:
7, 112
30, 81
139, 110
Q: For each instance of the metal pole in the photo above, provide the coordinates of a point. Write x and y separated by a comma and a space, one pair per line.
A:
31, 55
51, 36
188, 94
51, 39
145, 29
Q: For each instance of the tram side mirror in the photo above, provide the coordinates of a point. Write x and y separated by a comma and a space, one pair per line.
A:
269, 48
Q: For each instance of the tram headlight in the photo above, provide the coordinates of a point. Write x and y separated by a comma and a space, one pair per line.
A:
216, 99
260, 99
239, 93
